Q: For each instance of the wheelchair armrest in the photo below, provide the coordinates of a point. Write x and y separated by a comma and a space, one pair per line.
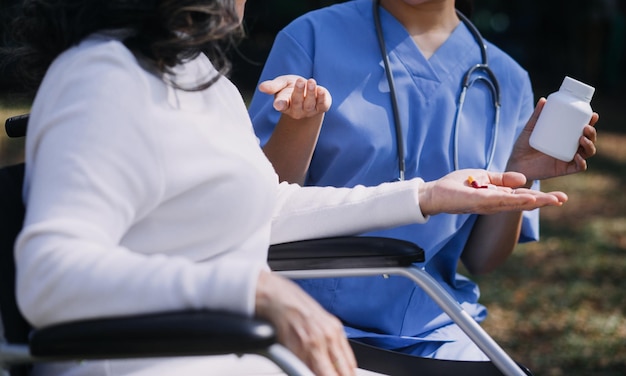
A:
343, 253
153, 335
15, 126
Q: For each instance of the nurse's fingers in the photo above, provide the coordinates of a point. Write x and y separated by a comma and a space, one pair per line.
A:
277, 84
594, 119
281, 88
317, 99
324, 99
297, 96
310, 101
530, 125
587, 148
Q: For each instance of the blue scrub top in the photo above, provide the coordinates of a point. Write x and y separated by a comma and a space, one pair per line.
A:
337, 46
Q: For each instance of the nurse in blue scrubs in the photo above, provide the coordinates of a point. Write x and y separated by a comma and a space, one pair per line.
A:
429, 51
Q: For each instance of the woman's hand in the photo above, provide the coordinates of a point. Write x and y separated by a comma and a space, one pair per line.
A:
296, 97
304, 327
536, 165
497, 192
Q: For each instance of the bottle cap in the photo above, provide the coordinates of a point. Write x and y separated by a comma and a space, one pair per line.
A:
577, 88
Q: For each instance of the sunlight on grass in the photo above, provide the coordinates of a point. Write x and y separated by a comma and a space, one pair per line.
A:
10, 107
559, 305
11, 150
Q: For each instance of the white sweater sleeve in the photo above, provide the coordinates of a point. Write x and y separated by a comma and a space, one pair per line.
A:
86, 186
315, 212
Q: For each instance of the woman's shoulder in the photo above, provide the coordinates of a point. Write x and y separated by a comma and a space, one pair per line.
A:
99, 74
99, 63
92, 55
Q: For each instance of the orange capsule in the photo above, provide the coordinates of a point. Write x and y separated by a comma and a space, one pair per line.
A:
474, 183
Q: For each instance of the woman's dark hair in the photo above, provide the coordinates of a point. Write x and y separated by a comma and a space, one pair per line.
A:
165, 32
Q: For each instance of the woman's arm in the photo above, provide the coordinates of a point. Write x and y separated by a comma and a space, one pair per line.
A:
313, 212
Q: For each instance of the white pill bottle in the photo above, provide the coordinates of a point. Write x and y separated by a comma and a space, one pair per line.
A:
562, 120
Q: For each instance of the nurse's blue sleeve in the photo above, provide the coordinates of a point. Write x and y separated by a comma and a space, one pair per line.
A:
530, 219
287, 56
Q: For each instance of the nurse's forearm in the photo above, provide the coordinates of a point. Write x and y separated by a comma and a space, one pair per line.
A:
491, 241
291, 146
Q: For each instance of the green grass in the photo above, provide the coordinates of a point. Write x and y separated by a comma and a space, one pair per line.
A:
558, 305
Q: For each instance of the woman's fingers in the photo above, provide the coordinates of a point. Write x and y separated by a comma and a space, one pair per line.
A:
348, 354
303, 326
331, 354
339, 350
316, 356
518, 199
322, 345
541, 199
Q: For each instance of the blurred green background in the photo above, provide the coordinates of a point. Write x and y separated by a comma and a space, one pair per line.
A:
558, 305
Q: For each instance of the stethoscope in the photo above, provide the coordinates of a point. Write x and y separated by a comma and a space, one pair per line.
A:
468, 80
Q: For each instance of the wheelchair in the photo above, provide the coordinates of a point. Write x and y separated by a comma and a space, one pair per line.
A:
206, 333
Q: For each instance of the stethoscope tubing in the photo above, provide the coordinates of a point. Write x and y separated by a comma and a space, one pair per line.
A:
468, 80
392, 91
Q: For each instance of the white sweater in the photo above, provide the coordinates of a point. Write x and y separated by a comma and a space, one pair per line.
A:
143, 198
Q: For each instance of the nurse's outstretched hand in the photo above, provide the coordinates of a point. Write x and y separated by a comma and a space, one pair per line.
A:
536, 165
304, 327
483, 192
297, 97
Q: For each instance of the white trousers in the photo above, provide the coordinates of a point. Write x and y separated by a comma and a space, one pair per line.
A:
223, 365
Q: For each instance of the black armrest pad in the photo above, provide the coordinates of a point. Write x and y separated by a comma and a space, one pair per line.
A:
164, 334
15, 126
344, 252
